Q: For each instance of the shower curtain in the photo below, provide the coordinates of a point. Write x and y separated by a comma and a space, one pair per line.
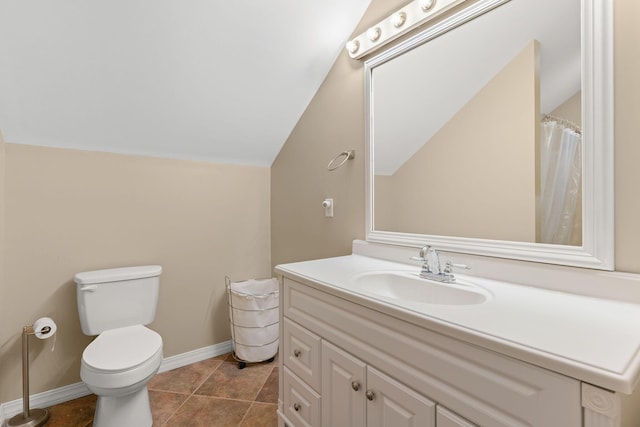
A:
560, 183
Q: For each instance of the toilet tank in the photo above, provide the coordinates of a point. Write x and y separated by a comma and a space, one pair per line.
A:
117, 297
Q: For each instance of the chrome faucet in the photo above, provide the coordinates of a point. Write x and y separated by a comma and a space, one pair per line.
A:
431, 268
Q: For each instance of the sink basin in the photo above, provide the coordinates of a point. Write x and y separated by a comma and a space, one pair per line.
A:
411, 287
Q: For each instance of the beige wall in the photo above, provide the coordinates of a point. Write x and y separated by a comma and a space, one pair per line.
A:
4, 332
490, 169
571, 109
627, 131
69, 211
334, 121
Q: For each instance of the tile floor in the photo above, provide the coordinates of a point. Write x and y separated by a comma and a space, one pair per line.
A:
210, 393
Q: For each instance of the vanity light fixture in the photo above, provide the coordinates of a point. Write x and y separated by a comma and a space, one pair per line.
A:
353, 46
398, 19
401, 22
426, 5
373, 33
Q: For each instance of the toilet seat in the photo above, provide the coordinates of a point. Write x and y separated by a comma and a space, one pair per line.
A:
121, 357
122, 349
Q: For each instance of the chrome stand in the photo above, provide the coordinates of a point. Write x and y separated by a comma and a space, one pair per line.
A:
33, 417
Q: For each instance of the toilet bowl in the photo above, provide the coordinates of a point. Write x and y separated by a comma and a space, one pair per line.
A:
115, 305
116, 367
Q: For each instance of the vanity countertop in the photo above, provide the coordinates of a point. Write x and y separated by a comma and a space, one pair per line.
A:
592, 339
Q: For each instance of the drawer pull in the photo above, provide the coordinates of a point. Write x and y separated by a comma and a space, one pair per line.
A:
355, 386
296, 407
370, 395
297, 352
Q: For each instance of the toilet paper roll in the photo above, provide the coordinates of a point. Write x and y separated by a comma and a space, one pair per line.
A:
44, 328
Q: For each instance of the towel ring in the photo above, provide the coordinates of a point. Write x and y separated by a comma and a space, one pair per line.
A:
348, 155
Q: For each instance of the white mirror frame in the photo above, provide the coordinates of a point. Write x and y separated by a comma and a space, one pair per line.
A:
597, 250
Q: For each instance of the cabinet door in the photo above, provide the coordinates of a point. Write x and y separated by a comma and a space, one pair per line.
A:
390, 403
446, 418
343, 387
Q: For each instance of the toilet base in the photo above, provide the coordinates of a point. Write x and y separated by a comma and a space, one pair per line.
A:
131, 410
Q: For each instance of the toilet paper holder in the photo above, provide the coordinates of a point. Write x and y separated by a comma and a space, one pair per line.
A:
43, 328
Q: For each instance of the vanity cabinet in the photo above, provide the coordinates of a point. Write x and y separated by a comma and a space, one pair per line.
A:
344, 364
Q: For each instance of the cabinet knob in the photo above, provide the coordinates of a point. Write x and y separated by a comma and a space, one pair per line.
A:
355, 386
297, 352
370, 395
296, 407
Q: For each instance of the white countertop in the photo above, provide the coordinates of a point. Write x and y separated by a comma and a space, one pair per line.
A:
592, 339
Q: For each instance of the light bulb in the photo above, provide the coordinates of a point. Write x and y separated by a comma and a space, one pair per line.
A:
427, 4
353, 46
398, 19
373, 33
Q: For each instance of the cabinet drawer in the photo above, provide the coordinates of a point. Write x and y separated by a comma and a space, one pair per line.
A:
302, 353
301, 403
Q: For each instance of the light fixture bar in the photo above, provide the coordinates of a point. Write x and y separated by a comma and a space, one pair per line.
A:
400, 22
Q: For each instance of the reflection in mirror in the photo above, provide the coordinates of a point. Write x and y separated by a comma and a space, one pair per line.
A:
477, 134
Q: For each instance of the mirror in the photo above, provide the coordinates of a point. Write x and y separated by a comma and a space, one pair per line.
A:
490, 133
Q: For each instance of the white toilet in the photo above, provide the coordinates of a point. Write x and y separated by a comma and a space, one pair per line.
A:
115, 305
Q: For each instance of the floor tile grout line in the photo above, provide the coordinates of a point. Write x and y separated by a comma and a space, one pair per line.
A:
233, 361
227, 398
250, 402
245, 414
177, 409
190, 395
159, 390
196, 388
264, 383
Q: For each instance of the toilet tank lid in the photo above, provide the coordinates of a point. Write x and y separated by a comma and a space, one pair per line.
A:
117, 274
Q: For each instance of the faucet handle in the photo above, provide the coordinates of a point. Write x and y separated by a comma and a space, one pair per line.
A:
425, 269
449, 266
422, 255
461, 266
424, 251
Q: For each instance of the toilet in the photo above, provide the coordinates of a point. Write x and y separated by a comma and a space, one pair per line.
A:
115, 305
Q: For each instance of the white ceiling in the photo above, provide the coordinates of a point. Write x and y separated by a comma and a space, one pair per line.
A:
208, 80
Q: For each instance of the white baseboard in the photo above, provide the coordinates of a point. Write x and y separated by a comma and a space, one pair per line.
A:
47, 398
74, 391
184, 359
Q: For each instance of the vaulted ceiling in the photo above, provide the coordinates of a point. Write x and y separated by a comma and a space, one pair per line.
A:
210, 80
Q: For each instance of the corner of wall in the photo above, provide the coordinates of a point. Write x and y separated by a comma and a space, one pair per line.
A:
3, 333
333, 122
